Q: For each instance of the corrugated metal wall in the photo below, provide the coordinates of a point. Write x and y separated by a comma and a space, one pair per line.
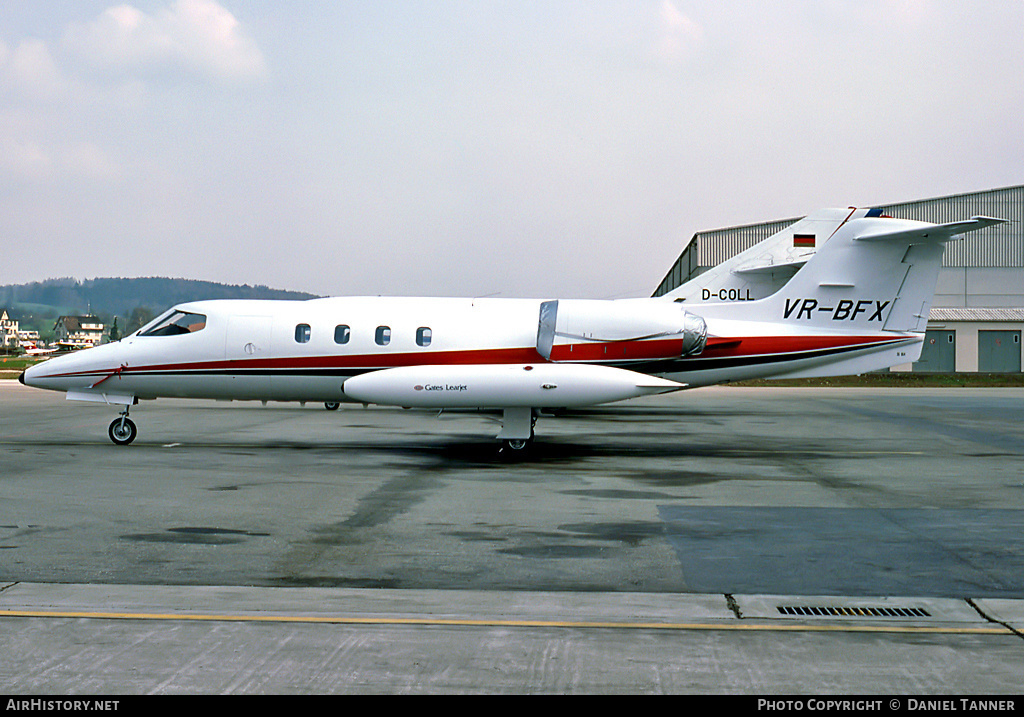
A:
707, 249
721, 244
998, 246
685, 268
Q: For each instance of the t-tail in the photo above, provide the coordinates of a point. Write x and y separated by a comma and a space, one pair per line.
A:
873, 281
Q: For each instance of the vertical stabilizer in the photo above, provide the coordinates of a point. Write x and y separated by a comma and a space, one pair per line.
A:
765, 268
875, 274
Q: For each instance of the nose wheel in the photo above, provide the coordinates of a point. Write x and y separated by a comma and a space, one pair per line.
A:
122, 430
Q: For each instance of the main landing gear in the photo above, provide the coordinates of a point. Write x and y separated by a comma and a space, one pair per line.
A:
516, 436
122, 431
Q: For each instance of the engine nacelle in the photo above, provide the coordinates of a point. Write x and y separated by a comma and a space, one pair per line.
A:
628, 329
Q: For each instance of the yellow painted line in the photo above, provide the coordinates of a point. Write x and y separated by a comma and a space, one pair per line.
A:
466, 622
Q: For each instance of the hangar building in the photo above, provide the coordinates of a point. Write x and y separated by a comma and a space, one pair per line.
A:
977, 318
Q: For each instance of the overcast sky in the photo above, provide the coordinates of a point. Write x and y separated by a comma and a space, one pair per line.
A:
513, 148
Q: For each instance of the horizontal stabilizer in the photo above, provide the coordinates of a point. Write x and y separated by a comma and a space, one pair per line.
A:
925, 231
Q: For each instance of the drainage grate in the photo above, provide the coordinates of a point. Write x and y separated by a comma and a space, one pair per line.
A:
854, 611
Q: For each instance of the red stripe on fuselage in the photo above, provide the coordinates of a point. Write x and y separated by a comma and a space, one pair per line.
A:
612, 352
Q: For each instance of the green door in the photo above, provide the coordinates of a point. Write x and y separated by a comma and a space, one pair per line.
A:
939, 352
999, 351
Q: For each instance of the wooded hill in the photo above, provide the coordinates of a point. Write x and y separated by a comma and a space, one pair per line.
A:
41, 301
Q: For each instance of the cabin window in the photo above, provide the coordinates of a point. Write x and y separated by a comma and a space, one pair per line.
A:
383, 335
176, 322
342, 334
423, 336
303, 334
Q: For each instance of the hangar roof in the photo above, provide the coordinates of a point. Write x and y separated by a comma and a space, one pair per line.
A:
975, 314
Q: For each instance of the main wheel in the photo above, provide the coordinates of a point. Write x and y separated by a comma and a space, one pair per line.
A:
514, 448
122, 431
332, 405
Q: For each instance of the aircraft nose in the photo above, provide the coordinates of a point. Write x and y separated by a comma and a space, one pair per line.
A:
29, 376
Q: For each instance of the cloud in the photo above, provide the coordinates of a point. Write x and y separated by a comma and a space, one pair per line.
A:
909, 12
198, 36
680, 35
22, 159
89, 161
29, 69
26, 159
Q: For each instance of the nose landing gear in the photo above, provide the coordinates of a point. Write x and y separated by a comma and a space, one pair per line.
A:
122, 431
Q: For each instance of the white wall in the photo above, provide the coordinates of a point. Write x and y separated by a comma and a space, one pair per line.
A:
978, 287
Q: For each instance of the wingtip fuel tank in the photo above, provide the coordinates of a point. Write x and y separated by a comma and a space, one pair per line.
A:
503, 386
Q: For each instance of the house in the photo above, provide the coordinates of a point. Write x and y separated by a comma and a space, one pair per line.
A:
78, 331
29, 339
8, 331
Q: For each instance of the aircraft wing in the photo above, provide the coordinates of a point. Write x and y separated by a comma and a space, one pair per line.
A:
933, 232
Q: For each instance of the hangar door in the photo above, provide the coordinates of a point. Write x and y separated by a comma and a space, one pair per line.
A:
939, 352
999, 351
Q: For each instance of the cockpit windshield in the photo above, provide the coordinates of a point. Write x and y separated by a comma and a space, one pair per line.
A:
175, 322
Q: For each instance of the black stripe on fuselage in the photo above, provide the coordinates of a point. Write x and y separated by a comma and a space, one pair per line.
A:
697, 363
680, 365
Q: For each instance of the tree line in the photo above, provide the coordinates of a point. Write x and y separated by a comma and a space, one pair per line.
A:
135, 301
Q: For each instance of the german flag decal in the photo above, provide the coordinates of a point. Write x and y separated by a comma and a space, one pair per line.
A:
803, 240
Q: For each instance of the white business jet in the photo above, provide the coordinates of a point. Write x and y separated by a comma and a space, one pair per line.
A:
843, 292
